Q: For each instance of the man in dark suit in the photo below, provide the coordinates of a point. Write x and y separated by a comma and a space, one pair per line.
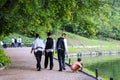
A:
61, 48
49, 50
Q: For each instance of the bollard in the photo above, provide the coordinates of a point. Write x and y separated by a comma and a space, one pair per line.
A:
1, 65
96, 71
69, 61
111, 78
78, 55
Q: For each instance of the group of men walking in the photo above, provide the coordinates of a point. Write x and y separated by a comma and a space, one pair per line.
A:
47, 48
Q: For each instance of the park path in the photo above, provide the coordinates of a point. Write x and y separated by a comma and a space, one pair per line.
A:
23, 68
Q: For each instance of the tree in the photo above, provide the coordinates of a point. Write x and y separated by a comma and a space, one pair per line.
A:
83, 17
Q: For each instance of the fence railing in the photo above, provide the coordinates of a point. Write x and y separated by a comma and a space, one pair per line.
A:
92, 54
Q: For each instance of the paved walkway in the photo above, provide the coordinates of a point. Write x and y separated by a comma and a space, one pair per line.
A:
23, 68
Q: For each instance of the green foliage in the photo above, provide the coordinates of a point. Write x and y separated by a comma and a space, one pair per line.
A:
4, 59
84, 17
2, 2
113, 29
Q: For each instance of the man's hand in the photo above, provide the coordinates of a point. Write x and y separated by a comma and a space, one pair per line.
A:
31, 50
43, 53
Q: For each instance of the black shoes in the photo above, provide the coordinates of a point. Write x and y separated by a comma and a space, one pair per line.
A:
64, 68
50, 68
38, 69
60, 70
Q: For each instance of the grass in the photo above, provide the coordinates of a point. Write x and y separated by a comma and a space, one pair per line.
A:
76, 40
108, 48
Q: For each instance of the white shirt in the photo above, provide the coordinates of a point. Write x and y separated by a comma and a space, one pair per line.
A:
66, 48
38, 45
1, 43
19, 40
13, 40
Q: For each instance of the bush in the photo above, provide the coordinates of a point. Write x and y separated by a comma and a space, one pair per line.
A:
4, 59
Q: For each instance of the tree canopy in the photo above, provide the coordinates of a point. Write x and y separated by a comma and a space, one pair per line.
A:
88, 18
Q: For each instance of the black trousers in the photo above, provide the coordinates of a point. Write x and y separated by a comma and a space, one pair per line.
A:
48, 57
61, 59
38, 56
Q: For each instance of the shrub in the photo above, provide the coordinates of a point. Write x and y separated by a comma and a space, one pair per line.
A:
4, 59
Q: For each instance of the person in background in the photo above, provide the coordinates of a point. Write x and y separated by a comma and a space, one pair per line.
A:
1, 43
61, 47
12, 42
4, 45
49, 50
15, 42
77, 65
38, 48
19, 42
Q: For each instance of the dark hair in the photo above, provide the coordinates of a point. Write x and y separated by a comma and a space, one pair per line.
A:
63, 34
49, 33
79, 59
37, 35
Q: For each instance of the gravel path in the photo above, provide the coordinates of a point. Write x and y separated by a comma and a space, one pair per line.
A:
23, 68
